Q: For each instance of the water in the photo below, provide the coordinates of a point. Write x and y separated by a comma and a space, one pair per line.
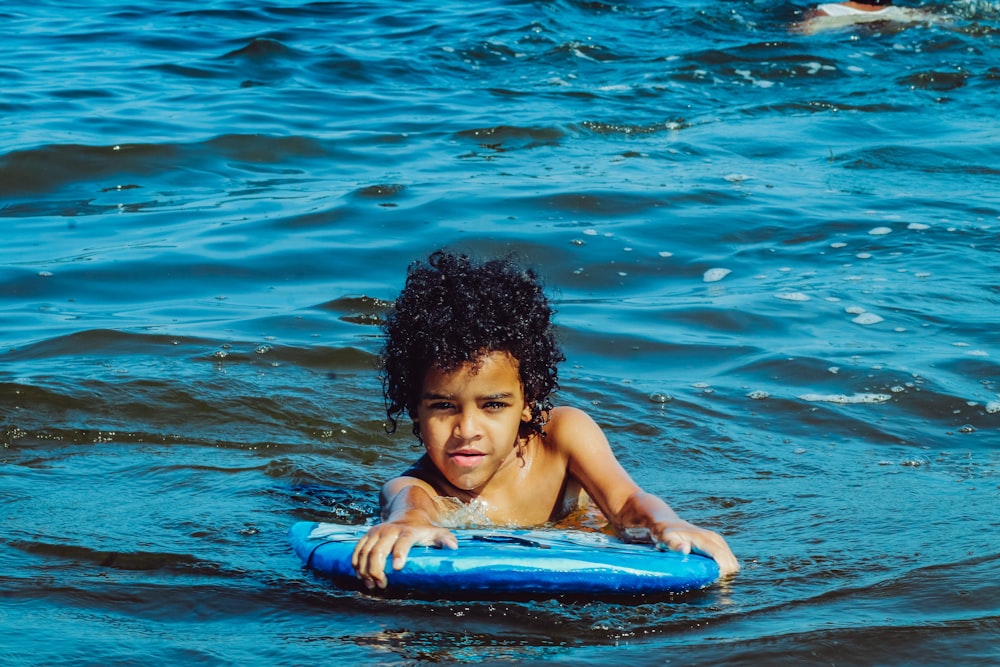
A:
774, 258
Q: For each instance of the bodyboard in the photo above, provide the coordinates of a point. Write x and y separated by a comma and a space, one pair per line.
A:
493, 563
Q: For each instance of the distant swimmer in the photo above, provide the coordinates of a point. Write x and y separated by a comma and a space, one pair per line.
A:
830, 16
865, 9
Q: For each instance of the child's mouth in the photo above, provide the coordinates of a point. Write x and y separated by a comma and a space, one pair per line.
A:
466, 459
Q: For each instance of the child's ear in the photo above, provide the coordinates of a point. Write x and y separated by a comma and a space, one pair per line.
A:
526, 412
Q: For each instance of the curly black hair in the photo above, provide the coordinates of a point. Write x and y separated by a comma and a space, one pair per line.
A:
454, 310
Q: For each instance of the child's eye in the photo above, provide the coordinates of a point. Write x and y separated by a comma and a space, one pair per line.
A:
495, 405
440, 405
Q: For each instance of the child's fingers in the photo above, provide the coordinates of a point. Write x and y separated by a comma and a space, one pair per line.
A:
705, 543
447, 540
400, 550
373, 550
438, 537
370, 555
675, 541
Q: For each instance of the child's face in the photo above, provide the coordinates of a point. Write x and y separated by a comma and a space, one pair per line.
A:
469, 420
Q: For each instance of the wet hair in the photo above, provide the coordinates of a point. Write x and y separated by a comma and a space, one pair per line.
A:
453, 311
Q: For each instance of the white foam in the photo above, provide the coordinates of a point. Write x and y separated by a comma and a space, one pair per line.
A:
664, 253
715, 275
793, 296
845, 399
758, 395
919, 226
456, 514
880, 231
993, 407
868, 318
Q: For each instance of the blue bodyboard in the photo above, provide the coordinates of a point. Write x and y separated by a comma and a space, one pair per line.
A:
496, 563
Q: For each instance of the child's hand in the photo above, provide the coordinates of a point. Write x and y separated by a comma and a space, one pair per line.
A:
394, 539
644, 510
684, 537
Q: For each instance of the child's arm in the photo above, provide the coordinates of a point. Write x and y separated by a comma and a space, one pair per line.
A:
409, 516
626, 505
665, 527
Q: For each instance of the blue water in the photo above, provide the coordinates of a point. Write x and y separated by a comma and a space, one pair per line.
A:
774, 258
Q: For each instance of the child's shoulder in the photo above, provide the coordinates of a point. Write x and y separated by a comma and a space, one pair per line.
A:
569, 427
565, 416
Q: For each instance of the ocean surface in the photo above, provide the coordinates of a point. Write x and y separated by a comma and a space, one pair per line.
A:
775, 256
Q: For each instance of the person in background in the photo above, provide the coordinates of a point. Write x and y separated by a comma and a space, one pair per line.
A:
829, 16
872, 7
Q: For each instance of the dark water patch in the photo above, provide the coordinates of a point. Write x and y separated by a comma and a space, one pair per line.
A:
936, 81
47, 168
892, 646
338, 67
188, 71
82, 289
602, 128
825, 106
390, 193
574, 623
22, 441
604, 205
105, 342
359, 310
120, 392
503, 138
75, 208
876, 612
330, 465
177, 413
461, 648
488, 54
902, 158
586, 51
145, 561
720, 320
260, 50
334, 505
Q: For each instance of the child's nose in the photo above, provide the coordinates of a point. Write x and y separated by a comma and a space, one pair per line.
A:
468, 427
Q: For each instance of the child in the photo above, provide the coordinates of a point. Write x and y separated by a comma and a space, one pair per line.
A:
471, 357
